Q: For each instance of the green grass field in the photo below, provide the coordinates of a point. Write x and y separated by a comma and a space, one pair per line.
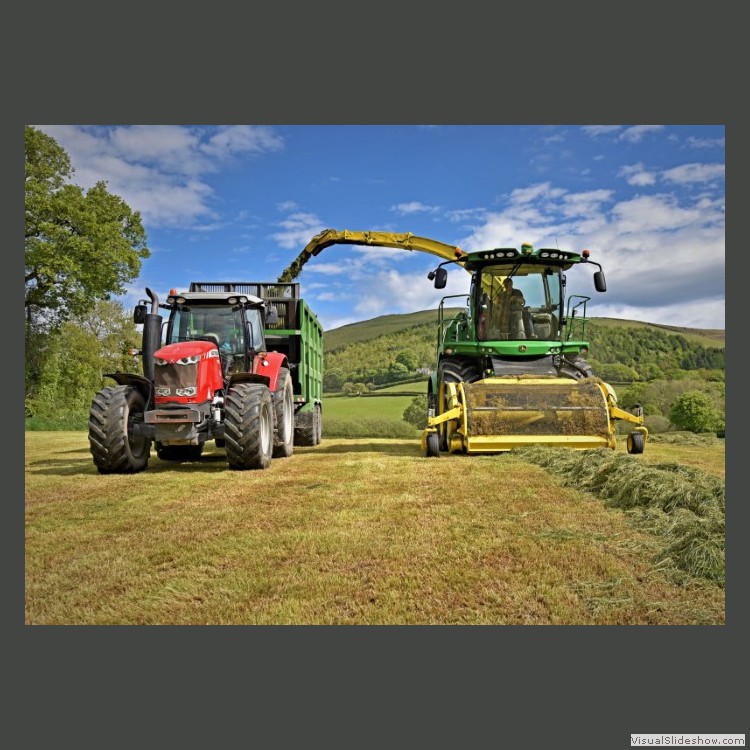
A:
350, 532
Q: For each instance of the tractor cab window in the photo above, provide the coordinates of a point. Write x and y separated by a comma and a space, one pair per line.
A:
218, 323
520, 305
255, 339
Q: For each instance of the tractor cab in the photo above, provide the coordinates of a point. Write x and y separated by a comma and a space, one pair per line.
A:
233, 323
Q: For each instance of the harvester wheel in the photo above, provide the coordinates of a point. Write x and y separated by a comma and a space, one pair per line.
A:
452, 371
636, 442
113, 413
248, 426
283, 442
433, 444
178, 452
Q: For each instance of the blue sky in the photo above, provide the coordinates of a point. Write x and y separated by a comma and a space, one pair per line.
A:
240, 202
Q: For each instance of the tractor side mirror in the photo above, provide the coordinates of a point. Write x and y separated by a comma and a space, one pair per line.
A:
139, 314
599, 282
441, 278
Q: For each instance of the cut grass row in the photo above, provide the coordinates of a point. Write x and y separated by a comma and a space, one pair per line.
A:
349, 532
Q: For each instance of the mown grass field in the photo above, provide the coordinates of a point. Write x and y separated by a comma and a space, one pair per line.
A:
360, 531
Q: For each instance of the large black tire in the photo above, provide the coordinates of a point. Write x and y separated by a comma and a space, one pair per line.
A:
636, 443
308, 429
178, 452
433, 445
283, 403
248, 426
113, 412
317, 424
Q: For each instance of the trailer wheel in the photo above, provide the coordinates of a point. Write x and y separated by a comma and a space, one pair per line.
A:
317, 424
178, 452
308, 429
283, 442
248, 426
636, 442
114, 411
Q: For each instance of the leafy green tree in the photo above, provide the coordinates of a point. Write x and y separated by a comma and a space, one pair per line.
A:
695, 411
416, 412
79, 246
77, 356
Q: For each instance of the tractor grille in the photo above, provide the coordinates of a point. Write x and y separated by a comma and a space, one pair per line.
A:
565, 408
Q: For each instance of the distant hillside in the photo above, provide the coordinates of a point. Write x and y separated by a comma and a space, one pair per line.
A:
384, 324
708, 337
369, 329
393, 348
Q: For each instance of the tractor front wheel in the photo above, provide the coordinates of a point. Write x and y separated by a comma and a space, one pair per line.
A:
114, 413
248, 426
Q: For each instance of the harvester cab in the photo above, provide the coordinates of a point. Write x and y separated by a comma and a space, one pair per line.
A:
511, 367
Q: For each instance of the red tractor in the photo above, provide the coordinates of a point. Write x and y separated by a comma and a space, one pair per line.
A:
214, 379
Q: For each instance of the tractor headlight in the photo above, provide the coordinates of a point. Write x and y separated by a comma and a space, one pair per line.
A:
163, 391
160, 361
189, 360
191, 391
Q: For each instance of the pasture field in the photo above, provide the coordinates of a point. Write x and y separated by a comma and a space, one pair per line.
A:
353, 531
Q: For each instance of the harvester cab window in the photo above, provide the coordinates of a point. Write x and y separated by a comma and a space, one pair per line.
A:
517, 306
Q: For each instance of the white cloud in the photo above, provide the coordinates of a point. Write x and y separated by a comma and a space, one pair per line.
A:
689, 173
636, 133
298, 230
393, 292
286, 206
414, 207
157, 169
637, 175
596, 130
705, 142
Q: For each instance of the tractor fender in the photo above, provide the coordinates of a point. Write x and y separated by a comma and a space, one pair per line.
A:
143, 385
267, 365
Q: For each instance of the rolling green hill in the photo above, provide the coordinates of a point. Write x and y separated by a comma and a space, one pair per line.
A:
369, 329
353, 333
393, 348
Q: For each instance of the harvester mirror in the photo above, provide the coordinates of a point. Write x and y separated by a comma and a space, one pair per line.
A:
441, 278
272, 316
599, 282
139, 314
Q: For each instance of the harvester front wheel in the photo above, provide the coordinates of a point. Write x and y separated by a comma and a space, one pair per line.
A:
283, 442
433, 445
636, 442
113, 414
248, 426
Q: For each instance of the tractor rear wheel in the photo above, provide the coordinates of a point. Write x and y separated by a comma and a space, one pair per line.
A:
113, 414
283, 398
248, 426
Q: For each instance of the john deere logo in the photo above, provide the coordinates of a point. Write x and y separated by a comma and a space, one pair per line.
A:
522, 348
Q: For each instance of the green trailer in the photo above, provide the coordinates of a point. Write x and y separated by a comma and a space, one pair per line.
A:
298, 335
